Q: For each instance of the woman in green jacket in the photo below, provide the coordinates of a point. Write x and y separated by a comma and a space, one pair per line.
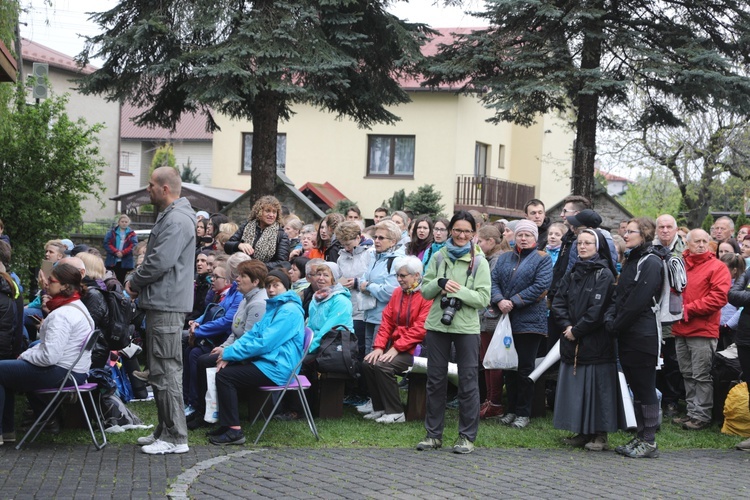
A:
458, 279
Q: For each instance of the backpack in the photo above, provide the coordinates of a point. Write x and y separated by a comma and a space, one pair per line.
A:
116, 327
339, 352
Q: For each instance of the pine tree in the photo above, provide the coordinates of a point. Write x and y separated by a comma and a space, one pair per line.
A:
424, 201
707, 223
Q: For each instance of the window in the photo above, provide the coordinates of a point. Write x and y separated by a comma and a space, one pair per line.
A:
390, 156
501, 156
481, 159
247, 153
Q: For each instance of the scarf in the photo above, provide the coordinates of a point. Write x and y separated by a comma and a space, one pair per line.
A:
415, 287
455, 252
60, 300
265, 246
324, 293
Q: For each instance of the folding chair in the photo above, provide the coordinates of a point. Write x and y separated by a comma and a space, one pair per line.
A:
295, 383
59, 396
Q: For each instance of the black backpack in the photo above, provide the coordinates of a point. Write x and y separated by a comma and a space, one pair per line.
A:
339, 352
116, 327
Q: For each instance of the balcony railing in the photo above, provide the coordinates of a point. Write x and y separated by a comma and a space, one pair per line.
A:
494, 195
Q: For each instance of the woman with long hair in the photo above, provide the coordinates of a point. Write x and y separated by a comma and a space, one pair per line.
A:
421, 237
262, 237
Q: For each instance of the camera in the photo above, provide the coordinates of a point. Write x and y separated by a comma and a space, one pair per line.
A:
449, 307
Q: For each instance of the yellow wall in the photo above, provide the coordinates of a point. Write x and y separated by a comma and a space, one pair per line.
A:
323, 149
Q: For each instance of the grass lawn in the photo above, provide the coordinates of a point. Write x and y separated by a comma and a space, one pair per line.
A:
352, 431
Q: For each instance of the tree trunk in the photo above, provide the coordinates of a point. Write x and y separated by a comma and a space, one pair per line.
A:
584, 153
265, 130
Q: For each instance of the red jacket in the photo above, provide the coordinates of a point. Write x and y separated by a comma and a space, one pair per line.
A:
708, 282
403, 321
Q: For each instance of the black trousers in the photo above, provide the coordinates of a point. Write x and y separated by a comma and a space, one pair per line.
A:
230, 380
519, 387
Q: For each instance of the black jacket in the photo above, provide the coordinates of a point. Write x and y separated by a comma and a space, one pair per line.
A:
630, 316
282, 246
541, 241
201, 286
583, 297
11, 319
332, 252
739, 296
94, 301
561, 266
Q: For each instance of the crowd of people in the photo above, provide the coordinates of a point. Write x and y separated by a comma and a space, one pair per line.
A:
237, 298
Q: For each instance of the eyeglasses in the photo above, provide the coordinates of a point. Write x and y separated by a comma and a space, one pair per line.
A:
586, 243
631, 231
566, 211
440, 230
462, 231
217, 277
402, 276
378, 237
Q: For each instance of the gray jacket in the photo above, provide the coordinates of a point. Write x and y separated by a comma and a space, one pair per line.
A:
251, 310
165, 279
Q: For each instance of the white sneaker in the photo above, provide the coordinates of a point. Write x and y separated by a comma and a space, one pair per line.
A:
365, 408
374, 415
392, 418
160, 447
146, 440
520, 422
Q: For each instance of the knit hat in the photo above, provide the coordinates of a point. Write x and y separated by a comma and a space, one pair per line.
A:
335, 270
527, 226
282, 276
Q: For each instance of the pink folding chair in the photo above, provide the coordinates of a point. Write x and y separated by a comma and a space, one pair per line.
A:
67, 388
296, 383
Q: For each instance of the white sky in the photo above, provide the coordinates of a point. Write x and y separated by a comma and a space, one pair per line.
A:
60, 26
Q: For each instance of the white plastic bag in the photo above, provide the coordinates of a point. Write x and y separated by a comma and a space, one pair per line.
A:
501, 353
212, 400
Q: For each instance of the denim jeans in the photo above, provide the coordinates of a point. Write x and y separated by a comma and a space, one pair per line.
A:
21, 376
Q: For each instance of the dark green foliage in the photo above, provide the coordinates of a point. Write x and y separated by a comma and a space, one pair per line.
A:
188, 173
707, 223
49, 165
254, 60
395, 202
341, 207
424, 201
589, 57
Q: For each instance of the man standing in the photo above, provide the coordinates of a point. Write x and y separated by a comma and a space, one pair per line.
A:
696, 336
669, 378
380, 214
536, 213
164, 284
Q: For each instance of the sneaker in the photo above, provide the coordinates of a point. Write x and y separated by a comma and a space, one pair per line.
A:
744, 445
230, 437
642, 450
696, 425
491, 411
391, 418
598, 443
189, 410
353, 400
578, 441
218, 431
404, 384
9, 437
429, 443
508, 418
287, 416
670, 411
452, 404
463, 446
374, 415
146, 440
626, 448
520, 422
197, 423
365, 408
160, 447
681, 420
142, 375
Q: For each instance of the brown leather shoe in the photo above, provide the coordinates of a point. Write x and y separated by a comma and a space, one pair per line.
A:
681, 420
696, 425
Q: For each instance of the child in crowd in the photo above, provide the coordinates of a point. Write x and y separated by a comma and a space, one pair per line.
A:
554, 240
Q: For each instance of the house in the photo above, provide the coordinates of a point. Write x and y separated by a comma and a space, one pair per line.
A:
94, 109
443, 138
616, 185
191, 142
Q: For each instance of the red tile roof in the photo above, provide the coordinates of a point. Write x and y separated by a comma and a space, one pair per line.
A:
36, 52
191, 127
613, 177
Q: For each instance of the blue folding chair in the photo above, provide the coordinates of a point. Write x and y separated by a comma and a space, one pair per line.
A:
70, 386
298, 383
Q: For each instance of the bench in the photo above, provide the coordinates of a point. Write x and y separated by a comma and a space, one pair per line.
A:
416, 400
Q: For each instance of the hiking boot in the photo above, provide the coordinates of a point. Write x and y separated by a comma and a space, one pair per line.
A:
374, 415
391, 418
365, 408
744, 445
670, 411
429, 443
160, 447
643, 450
626, 448
218, 431
578, 441
508, 418
230, 437
143, 376
146, 440
599, 443
681, 420
491, 411
452, 404
520, 422
696, 425
463, 446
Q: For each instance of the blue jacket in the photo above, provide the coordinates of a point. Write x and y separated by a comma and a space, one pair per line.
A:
336, 309
524, 278
275, 343
110, 246
219, 329
381, 282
